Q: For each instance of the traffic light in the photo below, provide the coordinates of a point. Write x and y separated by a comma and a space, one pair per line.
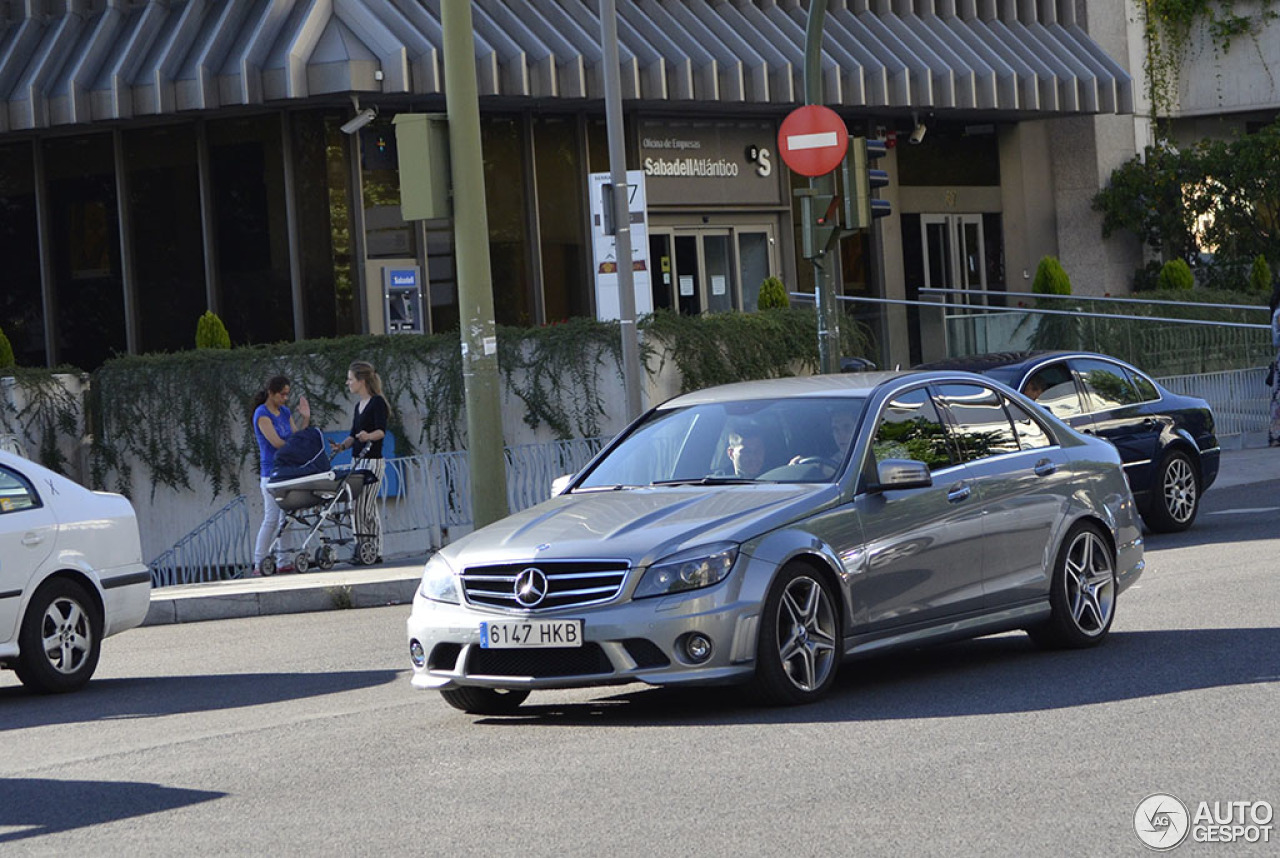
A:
860, 179
819, 221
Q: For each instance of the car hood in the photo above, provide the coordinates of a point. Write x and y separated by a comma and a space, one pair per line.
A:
639, 525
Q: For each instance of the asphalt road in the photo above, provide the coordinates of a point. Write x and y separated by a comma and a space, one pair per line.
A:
300, 735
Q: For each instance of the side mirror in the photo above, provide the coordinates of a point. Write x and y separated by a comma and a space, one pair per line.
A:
896, 474
560, 483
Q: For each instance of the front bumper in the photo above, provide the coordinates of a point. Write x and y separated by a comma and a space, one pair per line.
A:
629, 641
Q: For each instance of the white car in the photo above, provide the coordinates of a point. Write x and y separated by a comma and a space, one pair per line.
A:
71, 574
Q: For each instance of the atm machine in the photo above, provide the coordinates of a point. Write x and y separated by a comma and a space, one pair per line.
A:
402, 299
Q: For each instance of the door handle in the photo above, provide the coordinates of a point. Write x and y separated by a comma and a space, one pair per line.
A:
32, 539
1044, 468
957, 493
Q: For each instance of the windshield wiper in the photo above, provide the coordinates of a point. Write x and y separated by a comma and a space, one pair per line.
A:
615, 488
709, 480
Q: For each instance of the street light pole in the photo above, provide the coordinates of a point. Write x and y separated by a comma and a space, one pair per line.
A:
486, 457
621, 209
824, 289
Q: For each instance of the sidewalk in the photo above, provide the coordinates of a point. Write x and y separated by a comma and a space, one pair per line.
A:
394, 582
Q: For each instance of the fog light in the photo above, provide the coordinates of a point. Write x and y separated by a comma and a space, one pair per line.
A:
417, 654
697, 647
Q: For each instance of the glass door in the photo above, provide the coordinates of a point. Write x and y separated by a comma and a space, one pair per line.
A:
953, 255
709, 270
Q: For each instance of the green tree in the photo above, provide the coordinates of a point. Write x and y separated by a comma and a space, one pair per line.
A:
1051, 278
211, 333
1176, 275
773, 295
1145, 197
1260, 275
7, 360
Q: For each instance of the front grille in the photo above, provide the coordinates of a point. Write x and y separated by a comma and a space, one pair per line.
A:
586, 660
645, 653
570, 583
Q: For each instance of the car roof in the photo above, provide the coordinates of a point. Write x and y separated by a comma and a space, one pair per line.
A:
850, 384
991, 360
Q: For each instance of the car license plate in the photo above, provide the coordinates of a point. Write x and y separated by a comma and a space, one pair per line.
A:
522, 634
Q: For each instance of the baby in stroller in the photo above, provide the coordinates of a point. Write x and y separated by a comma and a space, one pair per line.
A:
318, 499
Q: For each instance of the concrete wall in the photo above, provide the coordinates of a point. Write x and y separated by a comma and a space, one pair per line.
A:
1241, 79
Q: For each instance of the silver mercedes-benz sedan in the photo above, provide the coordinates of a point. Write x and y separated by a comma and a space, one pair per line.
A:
764, 532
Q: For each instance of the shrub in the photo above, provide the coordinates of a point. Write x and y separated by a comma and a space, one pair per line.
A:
211, 333
1260, 275
1051, 278
1176, 275
773, 295
6, 352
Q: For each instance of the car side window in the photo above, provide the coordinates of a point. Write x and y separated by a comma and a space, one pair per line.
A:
16, 494
982, 427
1031, 435
1108, 384
1146, 389
911, 428
1054, 388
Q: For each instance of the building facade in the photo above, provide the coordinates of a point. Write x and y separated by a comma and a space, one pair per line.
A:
160, 158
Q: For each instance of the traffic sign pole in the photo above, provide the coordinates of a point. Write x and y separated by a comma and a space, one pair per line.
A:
828, 318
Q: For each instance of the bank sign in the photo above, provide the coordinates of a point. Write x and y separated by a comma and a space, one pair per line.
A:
709, 163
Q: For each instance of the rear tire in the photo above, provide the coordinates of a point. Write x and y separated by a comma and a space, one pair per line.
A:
798, 647
1082, 595
60, 639
366, 553
1175, 496
485, 701
326, 557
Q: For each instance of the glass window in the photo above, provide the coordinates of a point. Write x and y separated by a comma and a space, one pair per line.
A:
1146, 390
85, 232
321, 182
504, 187
753, 258
21, 301
168, 242
1055, 389
910, 428
16, 493
255, 300
1031, 435
1107, 383
982, 427
566, 258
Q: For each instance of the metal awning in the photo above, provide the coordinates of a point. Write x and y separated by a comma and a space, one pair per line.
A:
69, 62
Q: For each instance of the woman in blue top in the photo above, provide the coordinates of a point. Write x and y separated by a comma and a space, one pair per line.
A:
272, 423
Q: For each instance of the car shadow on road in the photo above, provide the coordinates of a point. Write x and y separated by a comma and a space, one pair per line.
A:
37, 806
109, 699
996, 675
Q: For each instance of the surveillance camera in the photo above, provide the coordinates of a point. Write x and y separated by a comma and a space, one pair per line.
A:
917, 134
360, 120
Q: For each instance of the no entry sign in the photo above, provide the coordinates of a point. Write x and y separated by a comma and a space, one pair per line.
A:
812, 140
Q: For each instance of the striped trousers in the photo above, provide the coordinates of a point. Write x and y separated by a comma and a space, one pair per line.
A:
368, 524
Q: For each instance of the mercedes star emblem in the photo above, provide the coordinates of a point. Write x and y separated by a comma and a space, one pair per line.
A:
531, 587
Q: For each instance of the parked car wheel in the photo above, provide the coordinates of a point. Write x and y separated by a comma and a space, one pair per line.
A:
61, 638
798, 652
1176, 501
1082, 595
485, 701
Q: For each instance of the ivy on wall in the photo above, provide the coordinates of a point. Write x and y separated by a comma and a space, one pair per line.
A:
1167, 30
186, 416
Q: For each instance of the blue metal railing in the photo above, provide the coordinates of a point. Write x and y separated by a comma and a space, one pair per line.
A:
217, 550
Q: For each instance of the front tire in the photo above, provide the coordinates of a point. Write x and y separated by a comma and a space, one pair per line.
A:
798, 649
485, 701
1175, 497
60, 639
1082, 595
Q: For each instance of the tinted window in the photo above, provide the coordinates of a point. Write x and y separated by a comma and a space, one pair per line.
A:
15, 493
1146, 389
1031, 434
1108, 384
910, 428
982, 426
1054, 388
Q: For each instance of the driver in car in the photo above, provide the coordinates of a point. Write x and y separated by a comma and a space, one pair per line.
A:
746, 451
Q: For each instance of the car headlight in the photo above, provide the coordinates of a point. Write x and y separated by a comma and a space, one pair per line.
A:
688, 570
439, 584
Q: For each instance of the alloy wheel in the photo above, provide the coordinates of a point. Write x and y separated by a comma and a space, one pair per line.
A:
67, 635
1179, 489
806, 633
1091, 584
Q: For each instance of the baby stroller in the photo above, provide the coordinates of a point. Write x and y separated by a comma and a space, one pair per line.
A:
320, 500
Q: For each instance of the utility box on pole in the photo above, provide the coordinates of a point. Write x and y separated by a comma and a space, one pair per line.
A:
422, 141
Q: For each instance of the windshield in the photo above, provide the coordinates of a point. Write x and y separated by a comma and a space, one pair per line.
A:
768, 440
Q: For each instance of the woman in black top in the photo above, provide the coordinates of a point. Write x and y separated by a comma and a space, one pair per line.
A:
368, 428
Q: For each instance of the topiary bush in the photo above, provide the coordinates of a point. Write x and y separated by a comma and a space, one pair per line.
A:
6, 352
211, 333
1260, 275
1175, 275
1051, 278
773, 295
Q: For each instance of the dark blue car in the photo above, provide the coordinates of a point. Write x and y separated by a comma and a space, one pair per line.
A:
1166, 440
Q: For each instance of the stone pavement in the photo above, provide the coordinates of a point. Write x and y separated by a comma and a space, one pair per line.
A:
394, 582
